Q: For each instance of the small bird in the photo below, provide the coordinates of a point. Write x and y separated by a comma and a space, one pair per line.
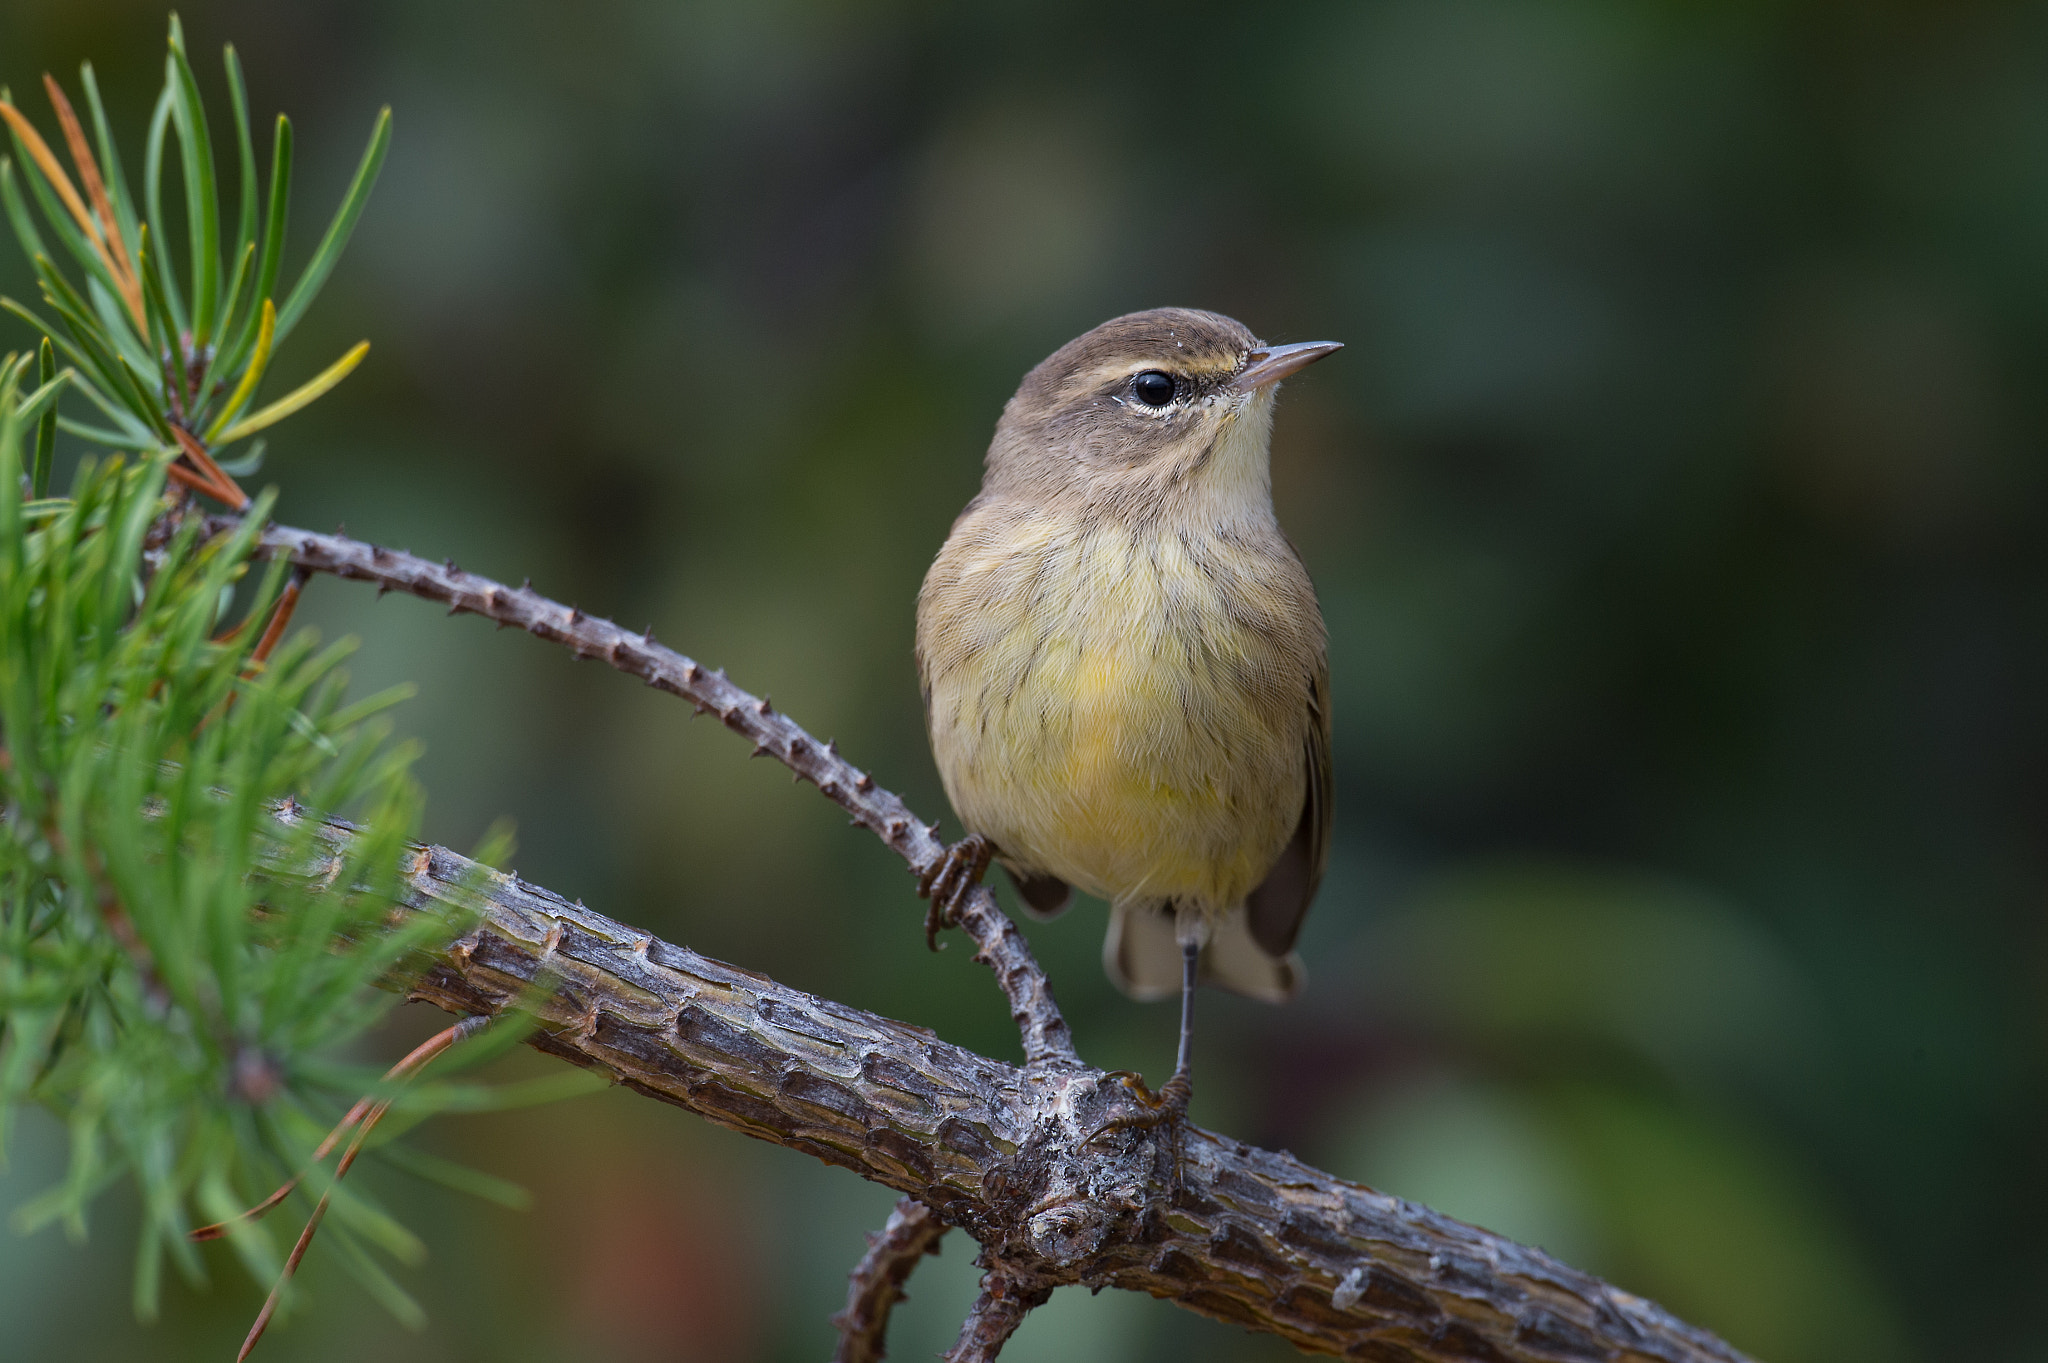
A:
1125, 672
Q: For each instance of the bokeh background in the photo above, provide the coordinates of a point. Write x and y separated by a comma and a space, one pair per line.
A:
1677, 509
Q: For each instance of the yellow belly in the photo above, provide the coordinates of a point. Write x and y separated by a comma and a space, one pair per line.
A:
1101, 714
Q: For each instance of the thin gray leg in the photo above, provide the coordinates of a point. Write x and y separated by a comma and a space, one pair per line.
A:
1190, 957
1171, 1105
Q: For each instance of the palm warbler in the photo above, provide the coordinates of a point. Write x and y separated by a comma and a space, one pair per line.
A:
1125, 672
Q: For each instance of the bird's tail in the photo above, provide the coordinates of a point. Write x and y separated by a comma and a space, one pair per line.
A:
1142, 954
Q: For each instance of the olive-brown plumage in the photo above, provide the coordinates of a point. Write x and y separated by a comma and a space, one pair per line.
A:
1123, 663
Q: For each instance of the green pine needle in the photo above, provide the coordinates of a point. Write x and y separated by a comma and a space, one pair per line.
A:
193, 346
182, 970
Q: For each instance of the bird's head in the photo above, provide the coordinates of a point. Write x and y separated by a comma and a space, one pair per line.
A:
1149, 411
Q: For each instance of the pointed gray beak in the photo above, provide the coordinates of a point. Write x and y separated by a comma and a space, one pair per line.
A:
1272, 363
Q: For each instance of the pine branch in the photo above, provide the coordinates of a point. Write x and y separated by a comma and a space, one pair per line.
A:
876, 1283
1253, 1237
1013, 1156
1047, 1041
1249, 1236
1005, 1299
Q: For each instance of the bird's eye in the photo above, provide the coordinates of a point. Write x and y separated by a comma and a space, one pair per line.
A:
1154, 388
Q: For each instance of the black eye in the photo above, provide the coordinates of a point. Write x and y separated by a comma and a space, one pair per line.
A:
1154, 388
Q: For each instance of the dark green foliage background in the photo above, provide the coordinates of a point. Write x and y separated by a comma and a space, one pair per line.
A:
1677, 511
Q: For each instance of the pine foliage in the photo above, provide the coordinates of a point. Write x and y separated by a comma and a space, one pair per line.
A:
169, 986
183, 961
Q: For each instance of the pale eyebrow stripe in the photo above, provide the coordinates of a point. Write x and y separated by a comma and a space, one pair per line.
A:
1088, 380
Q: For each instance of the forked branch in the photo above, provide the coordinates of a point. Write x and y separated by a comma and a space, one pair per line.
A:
1249, 1236
1047, 1041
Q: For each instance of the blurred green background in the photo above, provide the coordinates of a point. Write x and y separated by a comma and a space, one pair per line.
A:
1677, 511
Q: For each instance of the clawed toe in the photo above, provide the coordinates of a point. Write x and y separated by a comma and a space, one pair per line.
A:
1169, 1106
946, 881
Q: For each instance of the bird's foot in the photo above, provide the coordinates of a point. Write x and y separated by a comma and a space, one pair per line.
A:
1169, 1106
947, 881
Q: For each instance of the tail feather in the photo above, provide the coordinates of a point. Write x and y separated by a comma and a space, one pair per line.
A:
1142, 956
1233, 960
1140, 952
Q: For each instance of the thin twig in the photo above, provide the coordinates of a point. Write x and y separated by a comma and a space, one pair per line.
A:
998, 944
876, 1283
1252, 1237
1005, 1300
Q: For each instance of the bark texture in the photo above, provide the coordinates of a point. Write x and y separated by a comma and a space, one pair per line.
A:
876, 1283
1005, 1299
1248, 1236
1253, 1237
1047, 1041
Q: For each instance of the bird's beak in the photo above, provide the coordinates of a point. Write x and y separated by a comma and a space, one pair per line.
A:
1272, 363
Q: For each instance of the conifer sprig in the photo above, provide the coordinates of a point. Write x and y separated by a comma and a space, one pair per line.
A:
172, 987
170, 1002
170, 363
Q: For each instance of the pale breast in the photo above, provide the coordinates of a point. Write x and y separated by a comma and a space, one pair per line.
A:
1123, 708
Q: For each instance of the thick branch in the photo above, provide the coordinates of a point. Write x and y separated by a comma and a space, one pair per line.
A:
1047, 1041
876, 1283
1249, 1236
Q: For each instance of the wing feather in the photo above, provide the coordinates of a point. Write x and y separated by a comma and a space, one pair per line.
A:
1045, 896
1281, 901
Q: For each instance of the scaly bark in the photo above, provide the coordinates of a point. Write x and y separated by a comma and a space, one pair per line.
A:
1249, 1236
1047, 1041
876, 1283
